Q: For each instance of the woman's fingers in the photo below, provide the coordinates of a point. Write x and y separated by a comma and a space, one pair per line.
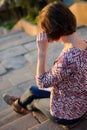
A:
41, 36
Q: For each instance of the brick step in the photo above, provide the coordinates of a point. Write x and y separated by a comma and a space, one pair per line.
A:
49, 125
22, 123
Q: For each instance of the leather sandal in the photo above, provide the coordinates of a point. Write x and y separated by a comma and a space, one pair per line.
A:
13, 101
19, 109
9, 99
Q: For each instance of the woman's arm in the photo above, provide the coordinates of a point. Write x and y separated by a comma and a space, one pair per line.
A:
62, 70
42, 46
41, 63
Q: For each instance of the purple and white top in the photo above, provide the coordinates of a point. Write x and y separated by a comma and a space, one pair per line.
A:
68, 79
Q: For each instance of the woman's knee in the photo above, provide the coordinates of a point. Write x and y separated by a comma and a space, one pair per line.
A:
33, 89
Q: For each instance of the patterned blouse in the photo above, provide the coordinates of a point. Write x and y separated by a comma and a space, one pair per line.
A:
68, 76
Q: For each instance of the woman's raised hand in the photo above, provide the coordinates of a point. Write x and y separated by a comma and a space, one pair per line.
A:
42, 42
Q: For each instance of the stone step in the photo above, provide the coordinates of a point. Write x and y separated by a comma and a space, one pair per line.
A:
5, 112
13, 36
82, 32
10, 117
39, 116
3, 31
21, 75
23, 123
15, 32
49, 125
15, 39
12, 52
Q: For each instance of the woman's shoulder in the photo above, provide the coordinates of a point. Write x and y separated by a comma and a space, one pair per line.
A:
71, 55
73, 51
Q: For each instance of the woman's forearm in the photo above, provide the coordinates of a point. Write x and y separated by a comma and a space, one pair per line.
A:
42, 46
41, 63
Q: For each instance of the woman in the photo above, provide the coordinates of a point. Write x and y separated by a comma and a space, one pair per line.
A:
67, 101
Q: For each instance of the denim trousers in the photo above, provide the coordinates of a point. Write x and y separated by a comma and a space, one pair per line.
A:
37, 99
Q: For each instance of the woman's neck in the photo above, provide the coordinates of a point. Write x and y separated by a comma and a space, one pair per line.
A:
73, 40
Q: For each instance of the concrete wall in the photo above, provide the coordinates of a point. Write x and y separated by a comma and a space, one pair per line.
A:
80, 11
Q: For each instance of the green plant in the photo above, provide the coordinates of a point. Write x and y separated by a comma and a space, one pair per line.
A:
9, 25
30, 19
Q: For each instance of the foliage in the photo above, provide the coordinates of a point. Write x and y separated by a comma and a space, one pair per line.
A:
32, 8
9, 25
30, 19
12, 2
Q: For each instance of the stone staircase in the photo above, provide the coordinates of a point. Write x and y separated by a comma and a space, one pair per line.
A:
18, 55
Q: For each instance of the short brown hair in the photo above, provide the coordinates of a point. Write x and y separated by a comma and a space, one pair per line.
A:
57, 20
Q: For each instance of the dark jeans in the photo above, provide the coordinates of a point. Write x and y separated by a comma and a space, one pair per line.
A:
36, 99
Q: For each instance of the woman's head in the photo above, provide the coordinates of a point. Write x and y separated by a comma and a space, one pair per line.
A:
57, 20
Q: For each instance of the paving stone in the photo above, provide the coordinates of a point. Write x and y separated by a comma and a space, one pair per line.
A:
23, 123
11, 52
21, 75
31, 57
4, 83
2, 69
22, 87
31, 46
14, 62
